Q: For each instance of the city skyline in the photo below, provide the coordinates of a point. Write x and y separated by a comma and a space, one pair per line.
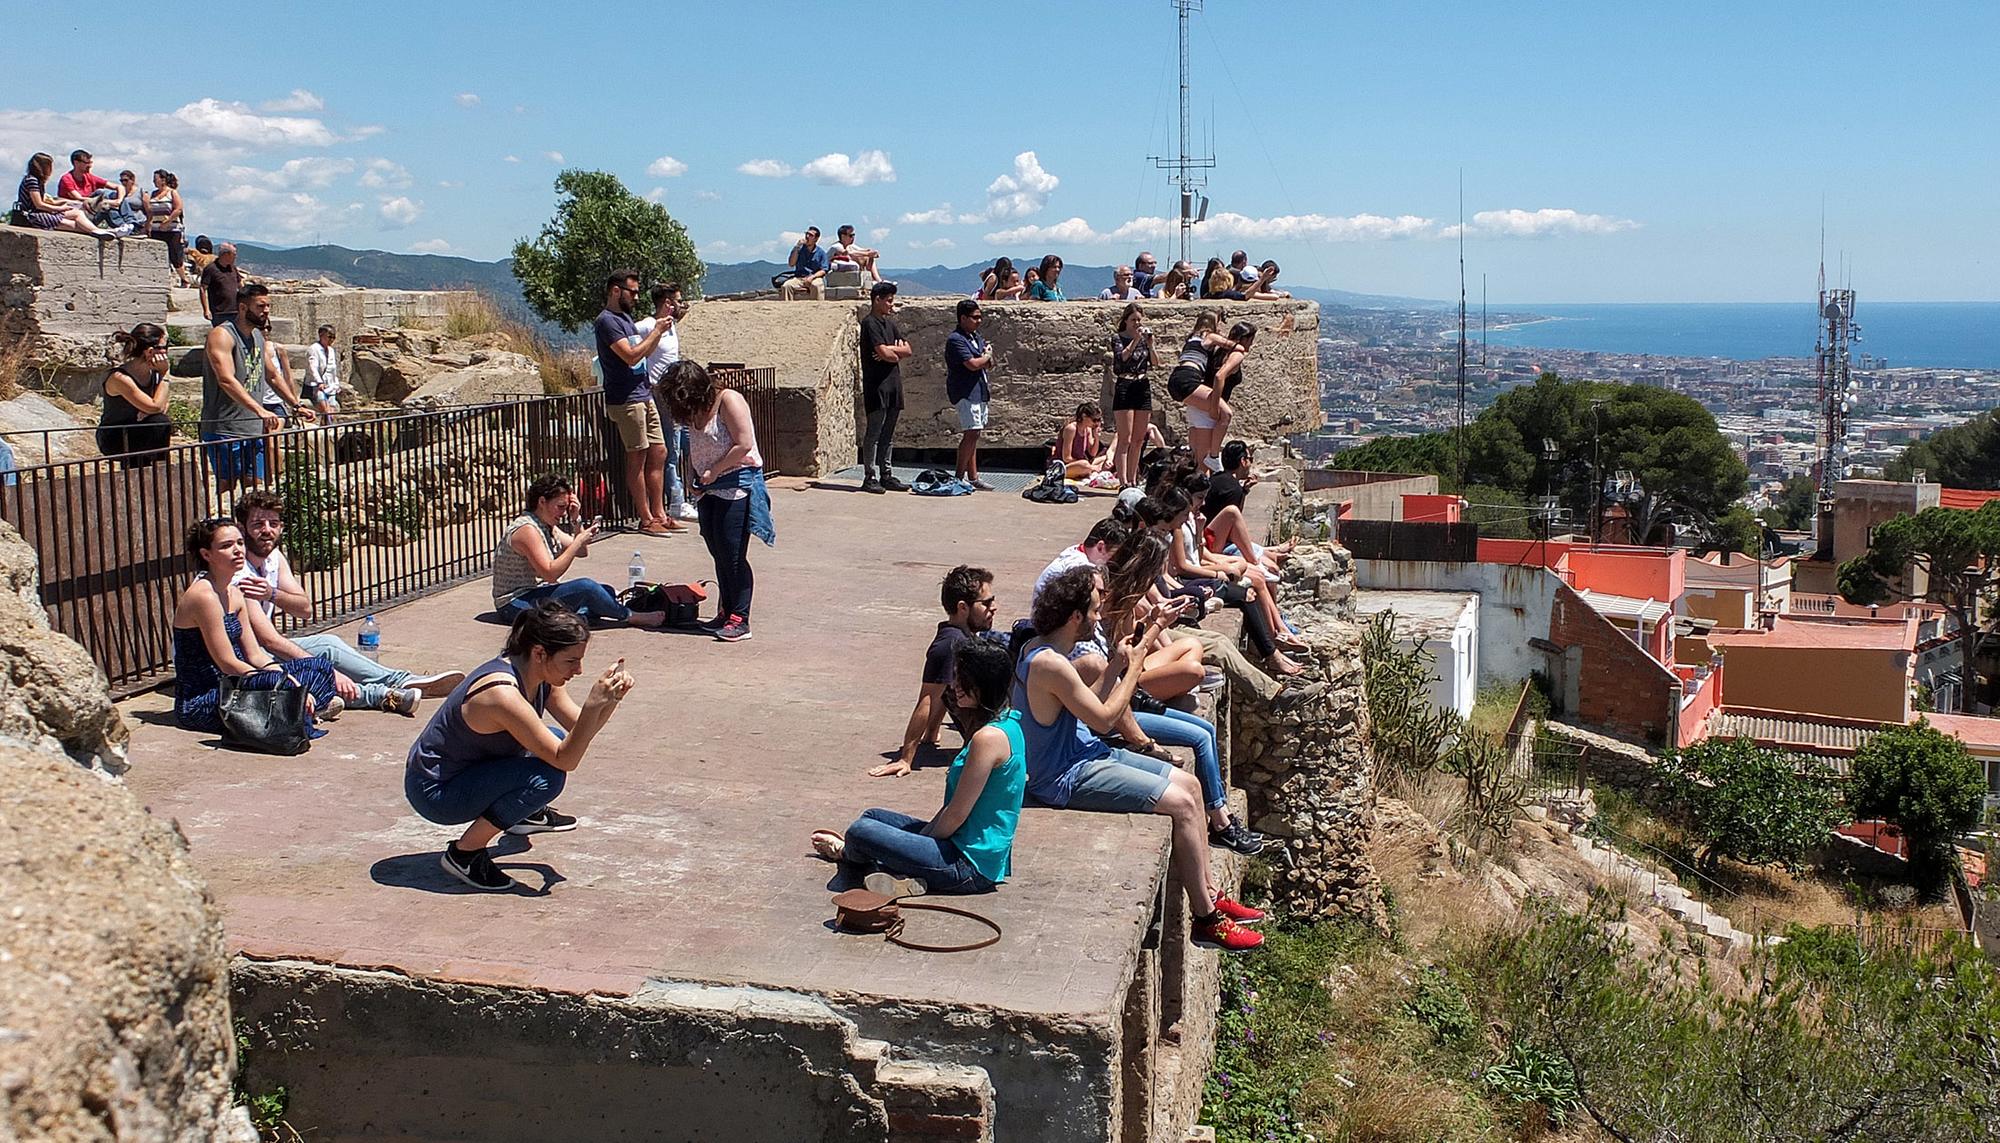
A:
1607, 156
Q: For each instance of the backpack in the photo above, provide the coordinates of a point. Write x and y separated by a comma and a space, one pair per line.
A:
1052, 488
938, 482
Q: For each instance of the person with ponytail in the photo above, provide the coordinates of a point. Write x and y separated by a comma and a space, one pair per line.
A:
488, 756
134, 428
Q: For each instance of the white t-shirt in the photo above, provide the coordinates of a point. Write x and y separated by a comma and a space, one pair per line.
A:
665, 352
839, 259
276, 570
323, 370
1070, 558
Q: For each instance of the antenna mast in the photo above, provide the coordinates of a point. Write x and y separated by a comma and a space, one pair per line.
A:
1461, 330
1837, 393
1182, 167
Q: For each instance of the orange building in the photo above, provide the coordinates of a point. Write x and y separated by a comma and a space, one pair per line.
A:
1844, 668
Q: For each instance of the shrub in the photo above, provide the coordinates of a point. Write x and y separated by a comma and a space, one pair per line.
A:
1438, 1004
315, 537
1535, 1075
1926, 783
1756, 805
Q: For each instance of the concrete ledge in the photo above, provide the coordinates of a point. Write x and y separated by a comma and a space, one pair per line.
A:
64, 294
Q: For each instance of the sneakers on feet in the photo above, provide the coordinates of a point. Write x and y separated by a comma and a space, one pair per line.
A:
1212, 680
332, 710
438, 685
685, 512
713, 623
1221, 932
548, 819
1237, 911
1297, 694
1234, 836
981, 485
870, 484
476, 869
734, 631
890, 885
403, 701
891, 484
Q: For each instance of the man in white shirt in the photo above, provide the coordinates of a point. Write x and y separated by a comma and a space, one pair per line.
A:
1095, 551
850, 255
668, 310
323, 376
267, 581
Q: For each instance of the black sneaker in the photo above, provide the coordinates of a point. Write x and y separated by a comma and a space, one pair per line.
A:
873, 485
891, 484
734, 631
1297, 694
1234, 836
476, 870
1147, 704
548, 819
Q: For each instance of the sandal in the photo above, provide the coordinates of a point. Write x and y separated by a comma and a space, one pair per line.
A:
828, 844
1290, 641
1151, 748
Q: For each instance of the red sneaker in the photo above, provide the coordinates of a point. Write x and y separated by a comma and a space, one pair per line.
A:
1237, 911
1226, 934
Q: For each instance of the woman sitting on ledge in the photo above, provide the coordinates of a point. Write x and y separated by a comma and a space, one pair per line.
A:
535, 553
217, 633
33, 206
1080, 445
968, 846
488, 758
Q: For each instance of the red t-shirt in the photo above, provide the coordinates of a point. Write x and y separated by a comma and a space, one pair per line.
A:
69, 186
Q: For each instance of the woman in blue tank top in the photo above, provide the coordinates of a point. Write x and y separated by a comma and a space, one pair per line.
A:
487, 757
968, 846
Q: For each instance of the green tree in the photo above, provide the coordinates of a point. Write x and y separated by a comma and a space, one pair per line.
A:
1739, 531
1959, 554
1925, 782
1796, 505
1756, 805
598, 227
1961, 456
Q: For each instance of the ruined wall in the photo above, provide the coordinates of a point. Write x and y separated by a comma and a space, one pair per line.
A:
1051, 357
114, 1010
62, 295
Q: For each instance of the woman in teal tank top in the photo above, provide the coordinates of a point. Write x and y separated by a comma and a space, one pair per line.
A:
968, 846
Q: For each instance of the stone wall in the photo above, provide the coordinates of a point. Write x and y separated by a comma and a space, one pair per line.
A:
61, 297
114, 1001
1051, 357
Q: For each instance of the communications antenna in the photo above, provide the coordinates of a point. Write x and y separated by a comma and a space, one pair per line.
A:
1836, 394
1461, 330
1184, 167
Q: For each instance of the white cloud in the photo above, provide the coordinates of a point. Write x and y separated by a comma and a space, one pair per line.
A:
657, 194
236, 123
774, 248
764, 169
878, 234
1232, 227
942, 216
933, 244
1022, 193
707, 196
383, 174
450, 184
431, 246
466, 99
399, 211
666, 167
837, 169
1541, 223
1069, 232
553, 157
299, 100
510, 158
313, 172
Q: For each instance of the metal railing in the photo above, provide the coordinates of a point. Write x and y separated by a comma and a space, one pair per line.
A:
377, 511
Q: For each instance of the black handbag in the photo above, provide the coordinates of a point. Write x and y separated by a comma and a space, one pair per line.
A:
264, 720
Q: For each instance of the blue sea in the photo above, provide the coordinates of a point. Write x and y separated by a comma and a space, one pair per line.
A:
1949, 335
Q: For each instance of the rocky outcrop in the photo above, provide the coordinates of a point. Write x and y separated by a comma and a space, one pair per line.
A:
40, 429
114, 991
398, 366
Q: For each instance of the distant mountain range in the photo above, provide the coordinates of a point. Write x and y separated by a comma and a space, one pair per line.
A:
442, 272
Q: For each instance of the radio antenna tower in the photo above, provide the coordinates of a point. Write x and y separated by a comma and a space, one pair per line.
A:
1461, 330
1837, 393
1184, 167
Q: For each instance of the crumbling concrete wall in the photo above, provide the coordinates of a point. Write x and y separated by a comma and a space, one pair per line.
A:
61, 297
1051, 357
114, 1002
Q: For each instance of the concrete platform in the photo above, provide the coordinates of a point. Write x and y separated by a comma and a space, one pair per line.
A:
691, 864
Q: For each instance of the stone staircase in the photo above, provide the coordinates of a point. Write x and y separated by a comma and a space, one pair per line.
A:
1663, 891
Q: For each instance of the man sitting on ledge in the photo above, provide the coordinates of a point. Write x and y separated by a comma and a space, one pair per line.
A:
969, 604
807, 273
1070, 767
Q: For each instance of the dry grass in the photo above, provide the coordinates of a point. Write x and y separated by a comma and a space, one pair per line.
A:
473, 315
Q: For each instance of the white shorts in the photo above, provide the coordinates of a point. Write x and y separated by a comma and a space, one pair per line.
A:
972, 414
1198, 419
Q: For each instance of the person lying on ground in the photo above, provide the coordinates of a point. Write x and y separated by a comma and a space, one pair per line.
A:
969, 604
967, 847
489, 760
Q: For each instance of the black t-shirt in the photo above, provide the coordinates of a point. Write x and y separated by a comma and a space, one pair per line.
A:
222, 287
881, 381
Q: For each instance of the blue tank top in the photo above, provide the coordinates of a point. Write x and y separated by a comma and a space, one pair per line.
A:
1055, 751
448, 746
986, 837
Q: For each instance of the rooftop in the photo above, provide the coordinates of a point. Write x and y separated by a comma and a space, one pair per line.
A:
1965, 498
1417, 612
1611, 606
1825, 633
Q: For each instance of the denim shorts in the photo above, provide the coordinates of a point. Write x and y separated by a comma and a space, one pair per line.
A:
235, 458
1120, 783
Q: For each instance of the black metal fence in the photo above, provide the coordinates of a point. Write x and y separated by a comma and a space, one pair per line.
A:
377, 511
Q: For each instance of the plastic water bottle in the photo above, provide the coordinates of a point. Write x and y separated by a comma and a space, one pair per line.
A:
636, 570
370, 639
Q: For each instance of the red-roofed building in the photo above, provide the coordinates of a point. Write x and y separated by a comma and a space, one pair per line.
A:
1965, 499
1845, 668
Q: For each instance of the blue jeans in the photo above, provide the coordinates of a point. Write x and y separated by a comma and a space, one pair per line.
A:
676, 496
725, 528
1179, 728
504, 791
895, 842
586, 597
374, 679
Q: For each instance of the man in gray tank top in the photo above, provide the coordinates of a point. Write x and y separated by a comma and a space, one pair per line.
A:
234, 366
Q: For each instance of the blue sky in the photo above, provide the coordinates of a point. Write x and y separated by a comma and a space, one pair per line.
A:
1609, 152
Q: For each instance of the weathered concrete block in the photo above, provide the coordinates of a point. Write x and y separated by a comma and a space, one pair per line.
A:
64, 295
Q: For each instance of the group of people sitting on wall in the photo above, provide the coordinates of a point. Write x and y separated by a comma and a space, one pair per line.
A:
1235, 281
808, 264
87, 203
1074, 707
